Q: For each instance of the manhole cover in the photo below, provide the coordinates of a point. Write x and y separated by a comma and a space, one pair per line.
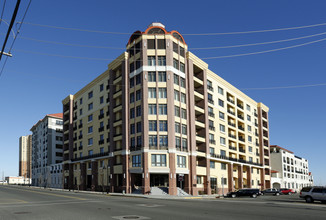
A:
130, 217
19, 213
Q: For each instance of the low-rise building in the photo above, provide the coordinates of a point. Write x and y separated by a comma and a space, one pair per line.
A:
17, 180
289, 170
47, 149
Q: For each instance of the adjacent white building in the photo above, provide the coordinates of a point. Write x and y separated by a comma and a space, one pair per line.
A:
47, 151
289, 170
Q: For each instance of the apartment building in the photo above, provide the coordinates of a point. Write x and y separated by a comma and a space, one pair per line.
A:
47, 149
25, 156
158, 117
289, 170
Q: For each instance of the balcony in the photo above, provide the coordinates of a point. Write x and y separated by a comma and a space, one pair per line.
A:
232, 113
100, 129
212, 141
107, 113
80, 125
92, 156
75, 117
80, 147
256, 115
135, 148
240, 106
210, 88
241, 117
241, 139
232, 136
234, 159
107, 87
257, 144
212, 128
241, 128
211, 114
242, 150
80, 136
211, 101
232, 148
231, 124
100, 142
107, 100
101, 116
230, 100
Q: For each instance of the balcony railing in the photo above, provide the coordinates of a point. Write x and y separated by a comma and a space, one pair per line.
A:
231, 112
241, 139
211, 114
241, 128
100, 142
242, 150
210, 88
91, 156
232, 148
232, 136
234, 159
212, 128
80, 136
80, 125
240, 106
230, 100
241, 117
100, 129
211, 101
232, 124
212, 141
101, 116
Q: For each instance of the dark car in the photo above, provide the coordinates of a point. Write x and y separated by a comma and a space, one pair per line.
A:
244, 192
286, 191
272, 191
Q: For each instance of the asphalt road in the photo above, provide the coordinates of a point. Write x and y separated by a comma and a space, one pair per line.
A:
28, 203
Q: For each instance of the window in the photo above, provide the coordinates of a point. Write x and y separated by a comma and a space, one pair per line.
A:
161, 60
210, 97
162, 93
132, 97
132, 82
162, 76
176, 79
90, 141
158, 160
102, 150
212, 164
163, 125
223, 166
175, 47
136, 160
151, 61
138, 79
222, 140
151, 93
163, 140
250, 149
223, 181
220, 90
151, 43
248, 107
139, 140
132, 113
181, 161
151, 76
221, 115
249, 128
250, 159
182, 67
163, 109
183, 98
183, 113
101, 100
138, 127
138, 111
152, 125
177, 127
176, 95
182, 82
138, 95
81, 101
132, 129
178, 142
160, 43
90, 106
176, 64
101, 87
220, 102
90, 118
199, 180
152, 140
176, 111
250, 139
90, 94
80, 111
211, 137
90, 129
248, 117
152, 109
222, 128
211, 151
184, 129
184, 144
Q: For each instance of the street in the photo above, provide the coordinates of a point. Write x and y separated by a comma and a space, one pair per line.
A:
17, 202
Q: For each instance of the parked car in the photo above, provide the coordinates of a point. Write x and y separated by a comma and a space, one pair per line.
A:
245, 192
286, 191
312, 193
272, 191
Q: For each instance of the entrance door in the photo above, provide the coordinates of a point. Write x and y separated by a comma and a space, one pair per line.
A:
159, 180
89, 181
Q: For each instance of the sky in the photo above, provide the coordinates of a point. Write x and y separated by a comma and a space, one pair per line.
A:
50, 63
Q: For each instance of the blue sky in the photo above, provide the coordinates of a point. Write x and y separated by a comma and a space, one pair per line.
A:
33, 85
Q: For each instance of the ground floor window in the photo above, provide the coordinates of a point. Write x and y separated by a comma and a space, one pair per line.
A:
136, 161
159, 160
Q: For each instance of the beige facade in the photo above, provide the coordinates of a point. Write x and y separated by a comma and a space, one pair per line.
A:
25, 156
158, 117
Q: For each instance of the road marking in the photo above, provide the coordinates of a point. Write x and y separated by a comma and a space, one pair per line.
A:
51, 194
14, 201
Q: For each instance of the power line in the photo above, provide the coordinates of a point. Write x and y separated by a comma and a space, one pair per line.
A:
12, 44
218, 57
286, 87
262, 43
3, 9
264, 51
202, 48
190, 34
10, 26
